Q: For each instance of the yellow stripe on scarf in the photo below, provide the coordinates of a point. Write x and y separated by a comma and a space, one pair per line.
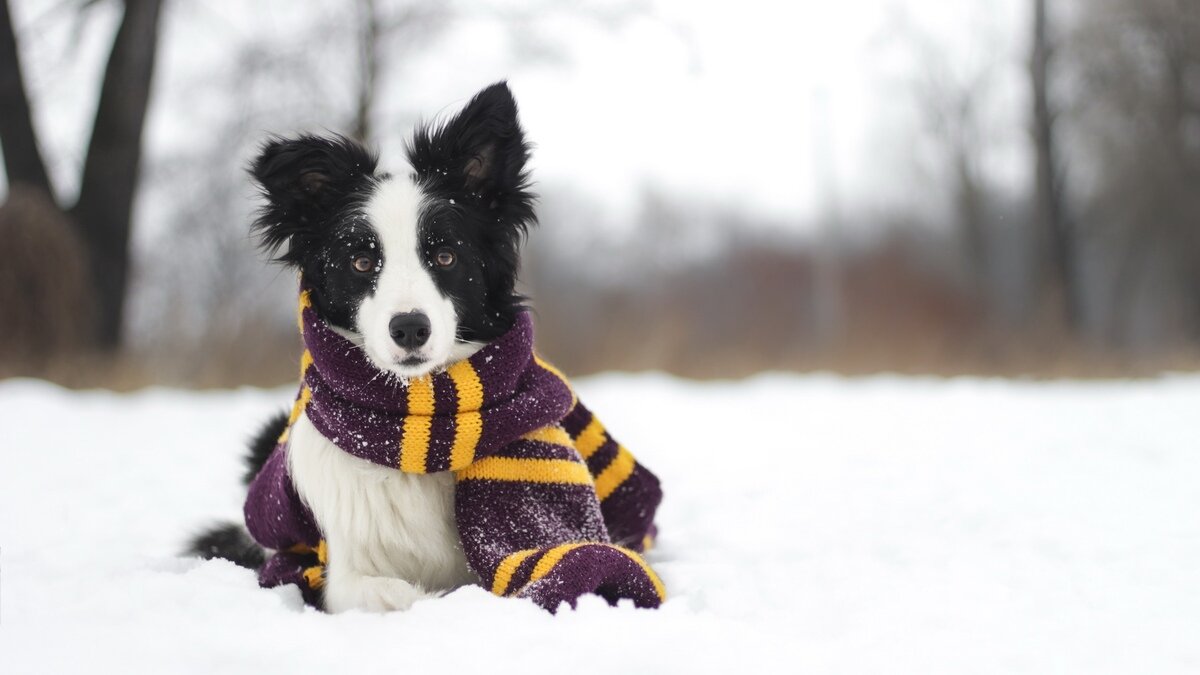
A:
297, 408
554, 435
306, 360
591, 438
414, 445
565, 471
300, 405
552, 558
468, 424
507, 568
315, 575
305, 303
556, 554
615, 473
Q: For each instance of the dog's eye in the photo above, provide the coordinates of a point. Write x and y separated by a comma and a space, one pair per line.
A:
445, 258
363, 263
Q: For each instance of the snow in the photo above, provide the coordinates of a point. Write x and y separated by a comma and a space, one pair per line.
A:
810, 524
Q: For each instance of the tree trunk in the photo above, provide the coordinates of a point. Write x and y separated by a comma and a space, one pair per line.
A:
971, 208
110, 172
1057, 255
370, 30
22, 160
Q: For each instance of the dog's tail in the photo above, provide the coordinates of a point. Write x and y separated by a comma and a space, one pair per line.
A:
263, 444
231, 541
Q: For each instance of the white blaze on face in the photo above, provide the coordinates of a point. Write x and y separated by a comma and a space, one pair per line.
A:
405, 284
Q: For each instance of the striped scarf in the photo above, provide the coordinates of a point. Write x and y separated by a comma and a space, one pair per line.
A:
548, 505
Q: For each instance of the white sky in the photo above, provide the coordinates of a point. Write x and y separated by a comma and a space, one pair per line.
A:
717, 100
722, 100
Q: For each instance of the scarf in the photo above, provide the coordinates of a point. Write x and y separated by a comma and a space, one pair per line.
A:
548, 506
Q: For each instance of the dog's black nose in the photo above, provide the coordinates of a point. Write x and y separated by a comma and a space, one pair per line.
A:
410, 330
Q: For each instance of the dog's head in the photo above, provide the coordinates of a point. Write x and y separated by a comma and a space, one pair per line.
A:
418, 268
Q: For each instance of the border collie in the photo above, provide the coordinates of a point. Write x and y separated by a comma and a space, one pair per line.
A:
418, 269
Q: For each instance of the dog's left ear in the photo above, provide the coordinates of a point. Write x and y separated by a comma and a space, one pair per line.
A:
479, 153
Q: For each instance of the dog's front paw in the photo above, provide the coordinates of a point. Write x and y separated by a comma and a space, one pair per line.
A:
373, 594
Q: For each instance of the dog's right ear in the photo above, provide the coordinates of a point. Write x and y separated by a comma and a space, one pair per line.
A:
305, 180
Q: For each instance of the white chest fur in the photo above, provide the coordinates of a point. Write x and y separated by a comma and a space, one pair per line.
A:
391, 536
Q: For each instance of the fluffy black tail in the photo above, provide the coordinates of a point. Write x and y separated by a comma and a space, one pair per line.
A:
263, 444
231, 541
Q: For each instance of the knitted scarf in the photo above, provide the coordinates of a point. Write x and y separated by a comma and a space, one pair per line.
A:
548, 505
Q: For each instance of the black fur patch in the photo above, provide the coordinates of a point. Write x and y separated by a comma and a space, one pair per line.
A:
228, 541
315, 188
263, 444
473, 167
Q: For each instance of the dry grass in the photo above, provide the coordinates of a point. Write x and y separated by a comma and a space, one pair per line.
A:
917, 356
43, 281
748, 314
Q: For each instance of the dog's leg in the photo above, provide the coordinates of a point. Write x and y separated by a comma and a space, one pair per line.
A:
347, 589
371, 594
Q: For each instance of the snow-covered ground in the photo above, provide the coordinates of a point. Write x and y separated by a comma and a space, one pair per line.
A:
811, 524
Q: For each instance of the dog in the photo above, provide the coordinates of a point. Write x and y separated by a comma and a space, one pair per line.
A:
418, 270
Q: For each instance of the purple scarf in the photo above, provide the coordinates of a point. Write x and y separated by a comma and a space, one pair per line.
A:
548, 505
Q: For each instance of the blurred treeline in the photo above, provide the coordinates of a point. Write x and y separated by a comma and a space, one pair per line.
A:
1089, 265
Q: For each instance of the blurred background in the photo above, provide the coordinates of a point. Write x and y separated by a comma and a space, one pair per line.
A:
1003, 187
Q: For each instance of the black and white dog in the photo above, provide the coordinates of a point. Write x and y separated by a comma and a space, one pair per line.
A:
418, 269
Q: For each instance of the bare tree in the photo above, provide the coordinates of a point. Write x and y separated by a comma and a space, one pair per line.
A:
110, 172
1058, 258
1138, 114
22, 159
378, 28
103, 210
951, 101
